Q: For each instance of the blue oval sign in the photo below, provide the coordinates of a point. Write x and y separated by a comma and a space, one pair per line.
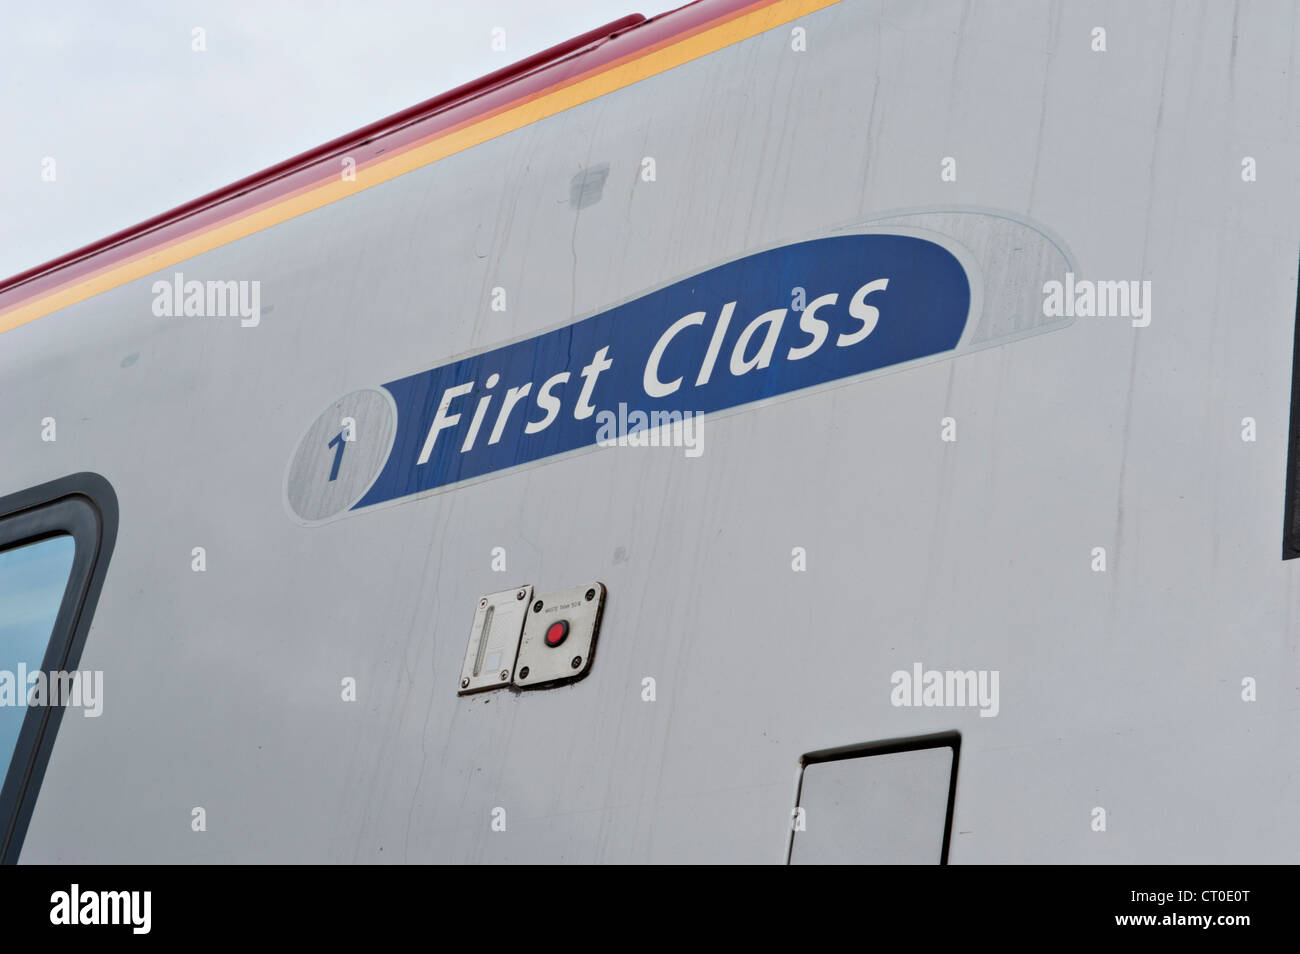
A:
769, 324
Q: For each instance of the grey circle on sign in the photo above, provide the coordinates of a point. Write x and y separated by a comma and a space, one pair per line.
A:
341, 455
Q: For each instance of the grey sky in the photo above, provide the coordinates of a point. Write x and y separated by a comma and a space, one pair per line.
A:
137, 122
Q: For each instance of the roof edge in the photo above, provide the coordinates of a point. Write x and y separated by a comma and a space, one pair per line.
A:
423, 110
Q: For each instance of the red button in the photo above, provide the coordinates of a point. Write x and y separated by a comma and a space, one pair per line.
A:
557, 632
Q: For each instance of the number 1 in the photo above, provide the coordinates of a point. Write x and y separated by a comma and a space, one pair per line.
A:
338, 454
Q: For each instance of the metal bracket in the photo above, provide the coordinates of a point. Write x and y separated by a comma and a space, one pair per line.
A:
539, 641
494, 640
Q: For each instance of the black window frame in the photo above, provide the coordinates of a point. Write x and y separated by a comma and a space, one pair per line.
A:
84, 507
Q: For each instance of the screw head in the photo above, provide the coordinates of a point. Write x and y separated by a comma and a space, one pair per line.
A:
537, 607
521, 594
523, 673
504, 675
577, 661
591, 594
483, 602
464, 683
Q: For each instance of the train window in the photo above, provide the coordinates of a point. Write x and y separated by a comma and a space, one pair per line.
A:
880, 803
32, 580
55, 543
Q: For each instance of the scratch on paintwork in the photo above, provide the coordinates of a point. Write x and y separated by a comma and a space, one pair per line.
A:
1053, 32
1137, 339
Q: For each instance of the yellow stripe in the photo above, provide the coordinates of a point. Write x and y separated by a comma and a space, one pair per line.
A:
452, 142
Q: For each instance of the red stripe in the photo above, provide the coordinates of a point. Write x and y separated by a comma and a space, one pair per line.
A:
621, 39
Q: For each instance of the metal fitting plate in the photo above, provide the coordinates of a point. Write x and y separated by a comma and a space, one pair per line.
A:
560, 635
494, 640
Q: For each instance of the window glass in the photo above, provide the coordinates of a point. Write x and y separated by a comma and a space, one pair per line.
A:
32, 580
